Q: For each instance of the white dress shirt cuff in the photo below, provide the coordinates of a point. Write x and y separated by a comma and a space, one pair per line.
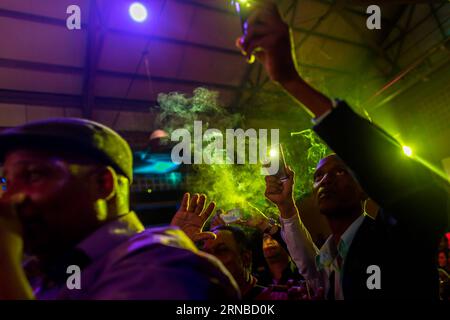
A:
334, 103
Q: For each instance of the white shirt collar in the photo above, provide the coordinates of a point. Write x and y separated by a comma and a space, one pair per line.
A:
328, 252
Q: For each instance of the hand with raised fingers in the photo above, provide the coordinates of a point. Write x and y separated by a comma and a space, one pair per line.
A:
192, 216
281, 193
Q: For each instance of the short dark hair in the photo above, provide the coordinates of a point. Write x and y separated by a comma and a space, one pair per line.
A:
241, 235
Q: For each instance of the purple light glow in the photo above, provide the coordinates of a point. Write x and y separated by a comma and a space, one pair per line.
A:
138, 12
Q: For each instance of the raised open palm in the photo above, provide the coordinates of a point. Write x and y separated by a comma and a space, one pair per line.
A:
192, 215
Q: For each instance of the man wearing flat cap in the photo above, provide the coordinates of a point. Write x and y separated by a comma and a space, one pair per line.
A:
66, 203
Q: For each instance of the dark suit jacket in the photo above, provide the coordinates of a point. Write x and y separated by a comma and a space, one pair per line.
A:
414, 200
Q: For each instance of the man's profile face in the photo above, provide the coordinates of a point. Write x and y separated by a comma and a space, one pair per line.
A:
225, 248
58, 206
335, 190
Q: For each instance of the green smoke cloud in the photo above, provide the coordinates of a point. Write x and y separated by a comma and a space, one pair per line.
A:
235, 185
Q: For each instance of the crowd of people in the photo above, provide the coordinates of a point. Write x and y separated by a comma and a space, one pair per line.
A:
66, 203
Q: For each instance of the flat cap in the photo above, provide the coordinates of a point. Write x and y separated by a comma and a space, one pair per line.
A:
72, 134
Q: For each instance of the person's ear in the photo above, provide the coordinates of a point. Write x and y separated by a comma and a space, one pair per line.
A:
106, 182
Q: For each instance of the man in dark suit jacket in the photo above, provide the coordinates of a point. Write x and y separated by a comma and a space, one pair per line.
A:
413, 198
414, 207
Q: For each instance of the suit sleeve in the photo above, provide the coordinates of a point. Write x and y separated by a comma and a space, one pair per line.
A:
404, 186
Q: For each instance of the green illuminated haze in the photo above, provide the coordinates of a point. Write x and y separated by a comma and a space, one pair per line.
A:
235, 185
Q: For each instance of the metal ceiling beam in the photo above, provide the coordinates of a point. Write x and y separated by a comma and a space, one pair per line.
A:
144, 77
53, 68
174, 41
400, 36
411, 67
439, 23
372, 44
408, 86
97, 28
350, 2
71, 101
44, 67
332, 38
39, 99
62, 23
38, 66
317, 24
35, 18
408, 24
206, 6
294, 11
398, 15
355, 11
232, 51
291, 8
91, 60
237, 99
260, 83
120, 104
298, 29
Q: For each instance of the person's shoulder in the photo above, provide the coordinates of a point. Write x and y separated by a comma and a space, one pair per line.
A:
165, 256
169, 247
169, 236
367, 236
165, 243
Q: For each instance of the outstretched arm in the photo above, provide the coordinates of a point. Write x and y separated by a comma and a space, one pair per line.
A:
298, 240
270, 40
403, 186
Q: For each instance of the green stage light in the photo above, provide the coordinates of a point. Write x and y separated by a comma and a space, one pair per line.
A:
273, 153
407, 150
